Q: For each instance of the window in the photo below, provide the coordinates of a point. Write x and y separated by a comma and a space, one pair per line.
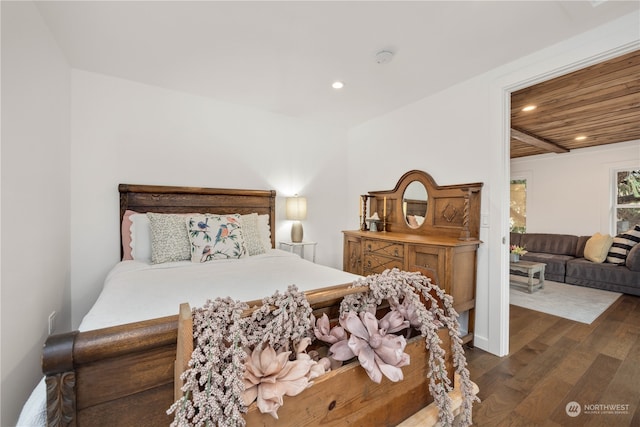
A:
627, 199
518, 210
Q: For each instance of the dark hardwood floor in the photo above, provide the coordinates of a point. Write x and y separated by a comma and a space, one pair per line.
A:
555, 361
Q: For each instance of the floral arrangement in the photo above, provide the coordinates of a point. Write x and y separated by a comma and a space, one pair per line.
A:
239, 359
518, 250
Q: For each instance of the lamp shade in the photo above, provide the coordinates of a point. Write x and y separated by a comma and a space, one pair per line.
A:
296, 208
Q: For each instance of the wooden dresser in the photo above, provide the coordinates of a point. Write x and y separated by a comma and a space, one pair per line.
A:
442, 243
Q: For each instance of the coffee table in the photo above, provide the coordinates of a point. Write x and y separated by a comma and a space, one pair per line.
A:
530, 268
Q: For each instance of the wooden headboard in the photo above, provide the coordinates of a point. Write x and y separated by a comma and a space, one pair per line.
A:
167, 199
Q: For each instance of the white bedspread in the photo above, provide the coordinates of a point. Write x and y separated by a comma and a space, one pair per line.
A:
135, 291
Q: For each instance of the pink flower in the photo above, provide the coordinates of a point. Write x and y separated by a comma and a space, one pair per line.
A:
269, 376
408, 312
326, 333
379, 353
393, 321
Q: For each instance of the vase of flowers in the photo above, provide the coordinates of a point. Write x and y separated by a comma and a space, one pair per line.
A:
516, 252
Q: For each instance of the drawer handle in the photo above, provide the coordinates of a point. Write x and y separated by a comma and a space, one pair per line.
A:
369, 248
369, 263
426, 266
396, 253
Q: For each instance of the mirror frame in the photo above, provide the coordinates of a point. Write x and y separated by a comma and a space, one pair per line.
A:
452, 210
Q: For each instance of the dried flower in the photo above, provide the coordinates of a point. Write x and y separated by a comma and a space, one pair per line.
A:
403, 291
324, 332
222, 379
377, 352
214, 381
270, 375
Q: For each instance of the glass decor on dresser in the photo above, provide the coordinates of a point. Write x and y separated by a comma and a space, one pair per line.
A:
421, 226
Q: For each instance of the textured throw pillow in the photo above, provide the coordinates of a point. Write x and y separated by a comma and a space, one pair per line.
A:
251, 233
169, 238
597, 247
622, 244
215, 237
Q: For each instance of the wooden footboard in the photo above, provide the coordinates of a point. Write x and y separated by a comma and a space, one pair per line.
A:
115, 376
124, 376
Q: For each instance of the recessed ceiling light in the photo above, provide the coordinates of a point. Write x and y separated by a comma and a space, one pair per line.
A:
529, 108
337, 85
580, 138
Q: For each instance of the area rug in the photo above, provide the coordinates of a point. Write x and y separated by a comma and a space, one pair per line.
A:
560, 299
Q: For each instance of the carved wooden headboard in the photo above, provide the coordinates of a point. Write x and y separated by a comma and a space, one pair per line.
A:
167, 199
451, 210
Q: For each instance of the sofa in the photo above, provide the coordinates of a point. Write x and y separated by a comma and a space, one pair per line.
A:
564, 256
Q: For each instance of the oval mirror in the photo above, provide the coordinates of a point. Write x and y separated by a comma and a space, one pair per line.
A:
414, 204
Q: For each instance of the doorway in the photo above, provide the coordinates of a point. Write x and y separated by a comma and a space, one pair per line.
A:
508, 90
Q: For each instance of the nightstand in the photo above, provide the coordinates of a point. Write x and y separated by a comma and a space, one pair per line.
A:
291, 247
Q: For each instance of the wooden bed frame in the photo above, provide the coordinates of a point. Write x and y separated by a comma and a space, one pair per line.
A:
124, 375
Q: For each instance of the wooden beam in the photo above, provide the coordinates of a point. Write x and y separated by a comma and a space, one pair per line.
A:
537, 141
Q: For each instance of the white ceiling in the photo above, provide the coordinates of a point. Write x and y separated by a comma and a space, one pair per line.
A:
283, 56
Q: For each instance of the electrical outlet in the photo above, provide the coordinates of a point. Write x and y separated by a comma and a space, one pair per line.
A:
52, 322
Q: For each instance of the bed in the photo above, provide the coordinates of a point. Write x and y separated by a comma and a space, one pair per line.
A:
118, 369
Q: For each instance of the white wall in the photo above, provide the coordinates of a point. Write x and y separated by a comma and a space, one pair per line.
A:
461, 135
125, 132
571, 193
35, 198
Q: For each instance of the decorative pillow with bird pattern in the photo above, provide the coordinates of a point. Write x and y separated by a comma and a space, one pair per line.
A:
215, 237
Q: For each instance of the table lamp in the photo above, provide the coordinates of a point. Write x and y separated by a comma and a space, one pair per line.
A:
296, 211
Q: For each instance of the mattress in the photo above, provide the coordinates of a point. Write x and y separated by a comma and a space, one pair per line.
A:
134, 291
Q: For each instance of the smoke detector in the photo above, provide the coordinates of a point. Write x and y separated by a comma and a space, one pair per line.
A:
384, 56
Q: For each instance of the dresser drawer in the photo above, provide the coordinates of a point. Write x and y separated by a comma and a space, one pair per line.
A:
374, 263
380, 247
431, 258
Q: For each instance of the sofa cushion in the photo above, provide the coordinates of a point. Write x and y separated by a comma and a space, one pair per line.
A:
558, 244
597, 247
603, 276
633, 258
555, 264
514, 239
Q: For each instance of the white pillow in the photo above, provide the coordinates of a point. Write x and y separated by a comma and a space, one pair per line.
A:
140, 238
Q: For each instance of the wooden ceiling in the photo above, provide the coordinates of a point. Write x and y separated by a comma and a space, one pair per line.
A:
601, 102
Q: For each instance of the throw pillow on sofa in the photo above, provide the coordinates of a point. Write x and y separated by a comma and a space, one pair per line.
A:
622, 244
633, 259
597, 247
